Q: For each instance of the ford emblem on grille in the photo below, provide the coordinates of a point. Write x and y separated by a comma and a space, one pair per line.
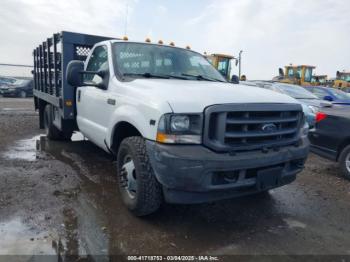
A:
269, 127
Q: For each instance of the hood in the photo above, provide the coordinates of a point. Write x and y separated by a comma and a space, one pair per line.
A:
194, 96
315, 102
342, 102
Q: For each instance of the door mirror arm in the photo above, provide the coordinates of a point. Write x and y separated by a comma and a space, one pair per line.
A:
101, 73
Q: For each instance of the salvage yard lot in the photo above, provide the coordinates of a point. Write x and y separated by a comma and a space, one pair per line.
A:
61, 198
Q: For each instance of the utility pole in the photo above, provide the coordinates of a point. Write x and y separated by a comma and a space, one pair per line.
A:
240, 63
126, 19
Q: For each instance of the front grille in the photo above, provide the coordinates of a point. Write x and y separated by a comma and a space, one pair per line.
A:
244, 127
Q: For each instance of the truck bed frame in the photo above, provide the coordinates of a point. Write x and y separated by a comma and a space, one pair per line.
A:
50, 85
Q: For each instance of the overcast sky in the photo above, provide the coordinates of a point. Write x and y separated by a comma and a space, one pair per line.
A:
271, 33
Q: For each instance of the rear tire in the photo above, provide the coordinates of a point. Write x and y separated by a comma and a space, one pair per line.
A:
344, 162
139, 189
52, 132
22, 94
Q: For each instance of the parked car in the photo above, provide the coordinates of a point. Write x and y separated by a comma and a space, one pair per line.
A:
311, 104
333, 95
331, 137
180, 132
20, 88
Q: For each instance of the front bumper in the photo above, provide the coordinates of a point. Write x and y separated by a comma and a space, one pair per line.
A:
195, 174
9, 93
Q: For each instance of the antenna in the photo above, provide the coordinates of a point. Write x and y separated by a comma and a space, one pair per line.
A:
126, 18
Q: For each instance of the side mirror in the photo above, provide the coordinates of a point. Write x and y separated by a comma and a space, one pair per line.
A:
99, 80
234, 79
328, 98
74, 73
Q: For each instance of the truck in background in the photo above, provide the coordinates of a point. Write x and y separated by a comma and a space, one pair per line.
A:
342, 80
296, 75
179, 131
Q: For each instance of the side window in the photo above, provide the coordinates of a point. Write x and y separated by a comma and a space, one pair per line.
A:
290, 72
98, 61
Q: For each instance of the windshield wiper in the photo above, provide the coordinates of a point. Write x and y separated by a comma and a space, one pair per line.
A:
147, 75
201, 77
176, 77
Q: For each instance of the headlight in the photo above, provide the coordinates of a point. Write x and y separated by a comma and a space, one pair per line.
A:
179, 123
305, 130
180, 128
313, 109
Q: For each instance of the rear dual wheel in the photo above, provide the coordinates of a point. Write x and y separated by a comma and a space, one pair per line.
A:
52, 132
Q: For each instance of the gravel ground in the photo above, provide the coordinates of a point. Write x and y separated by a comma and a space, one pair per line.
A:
61, 198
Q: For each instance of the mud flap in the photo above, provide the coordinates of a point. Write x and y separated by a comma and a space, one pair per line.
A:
269, 178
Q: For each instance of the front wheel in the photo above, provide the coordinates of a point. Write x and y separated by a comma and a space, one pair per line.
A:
140, 191
344, 161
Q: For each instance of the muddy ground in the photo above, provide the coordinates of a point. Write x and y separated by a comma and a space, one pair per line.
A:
61, 198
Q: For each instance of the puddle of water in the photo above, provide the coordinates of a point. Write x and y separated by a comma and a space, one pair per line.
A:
24, 149
294, 223
17, 239
27, 149
14, 109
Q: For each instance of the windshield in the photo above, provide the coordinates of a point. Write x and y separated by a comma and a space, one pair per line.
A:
20, 82
339, 94
224, 66
6, 80
147, 60
308, 74
345, 77
295, 91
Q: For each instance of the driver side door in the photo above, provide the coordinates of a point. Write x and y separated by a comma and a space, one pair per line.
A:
93, 111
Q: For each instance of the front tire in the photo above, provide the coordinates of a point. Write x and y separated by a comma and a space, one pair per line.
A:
140, 191
344, 162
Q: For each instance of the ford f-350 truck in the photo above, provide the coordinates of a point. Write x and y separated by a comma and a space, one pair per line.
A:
179, 131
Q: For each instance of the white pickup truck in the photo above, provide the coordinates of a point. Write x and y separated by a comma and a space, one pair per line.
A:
179, 131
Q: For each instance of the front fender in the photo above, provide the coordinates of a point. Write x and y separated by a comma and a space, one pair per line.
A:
140, 118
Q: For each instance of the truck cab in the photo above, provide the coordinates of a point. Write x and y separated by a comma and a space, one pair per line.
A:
179, 131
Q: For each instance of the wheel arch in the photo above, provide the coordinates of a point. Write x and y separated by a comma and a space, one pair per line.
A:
341, 147
122, 130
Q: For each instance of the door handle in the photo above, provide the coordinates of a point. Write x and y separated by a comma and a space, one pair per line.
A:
111, 101
79, 94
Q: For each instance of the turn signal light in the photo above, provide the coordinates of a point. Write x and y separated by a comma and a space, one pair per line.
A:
125, 38
164, 138
320, 116
172, 44
148, 40
160, 42
69, 103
